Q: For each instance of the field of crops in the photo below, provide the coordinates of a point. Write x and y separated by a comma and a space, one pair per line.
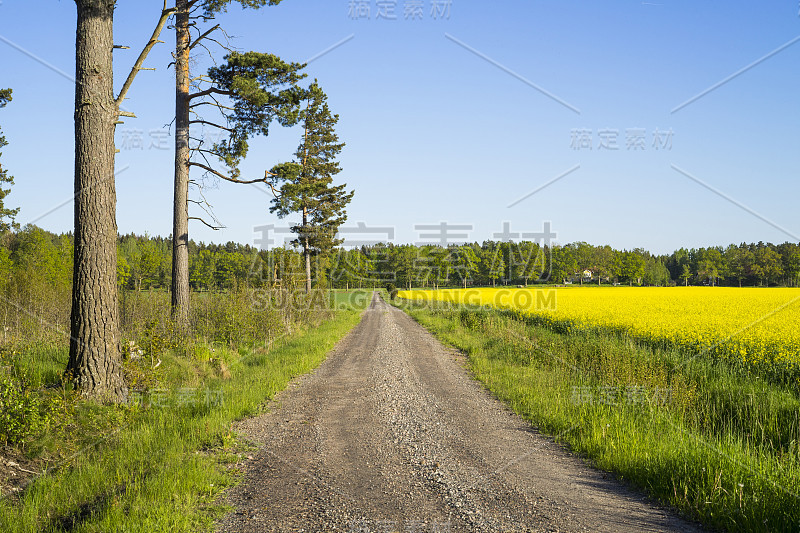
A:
756, 327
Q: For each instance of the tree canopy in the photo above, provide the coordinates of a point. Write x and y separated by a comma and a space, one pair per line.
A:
262, 89
305, 185
6, 214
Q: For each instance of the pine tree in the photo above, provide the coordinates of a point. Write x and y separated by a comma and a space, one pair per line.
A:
189, 15
95, 356
305, 185
6, 215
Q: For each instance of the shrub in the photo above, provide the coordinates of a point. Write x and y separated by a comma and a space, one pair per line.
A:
22, 413
392, 290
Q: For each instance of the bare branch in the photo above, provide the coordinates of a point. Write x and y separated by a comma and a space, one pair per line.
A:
202, 152
207, 211
210, 210
205, 205
214, 104
198, 149
165, 13
211, 124
223, 46
204, 35
215, 228
267, 174
210, 90
209, 169
214, 98
227, 178
203, 155
210, 55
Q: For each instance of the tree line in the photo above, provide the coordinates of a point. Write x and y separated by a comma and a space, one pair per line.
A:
33, 259
493, 263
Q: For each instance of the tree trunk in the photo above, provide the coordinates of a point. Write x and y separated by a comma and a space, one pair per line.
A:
180, 208
94, 350
306, 251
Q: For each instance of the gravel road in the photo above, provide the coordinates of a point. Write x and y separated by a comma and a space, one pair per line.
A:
391, 434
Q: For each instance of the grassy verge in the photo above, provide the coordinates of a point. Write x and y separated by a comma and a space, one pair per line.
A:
717, 443
155, 465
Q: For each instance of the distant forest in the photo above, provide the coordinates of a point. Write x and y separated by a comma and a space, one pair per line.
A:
32, 257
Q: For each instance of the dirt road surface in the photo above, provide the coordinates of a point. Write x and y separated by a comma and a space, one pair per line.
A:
391, 433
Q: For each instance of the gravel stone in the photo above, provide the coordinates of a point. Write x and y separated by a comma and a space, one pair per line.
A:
391, 433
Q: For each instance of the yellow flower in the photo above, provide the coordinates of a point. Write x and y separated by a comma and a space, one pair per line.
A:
746, 324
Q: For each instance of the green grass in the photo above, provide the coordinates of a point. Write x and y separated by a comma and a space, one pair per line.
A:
717, 443
159, 465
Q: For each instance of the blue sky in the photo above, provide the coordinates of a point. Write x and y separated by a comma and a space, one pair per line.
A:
456, 117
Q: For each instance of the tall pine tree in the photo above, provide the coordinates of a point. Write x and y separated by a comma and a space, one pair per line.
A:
305, 186
190, 15
95, 356
6, 215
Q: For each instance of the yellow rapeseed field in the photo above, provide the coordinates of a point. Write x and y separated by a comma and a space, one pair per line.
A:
755, 326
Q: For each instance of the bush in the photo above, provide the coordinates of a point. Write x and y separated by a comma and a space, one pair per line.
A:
392, 290
22, 415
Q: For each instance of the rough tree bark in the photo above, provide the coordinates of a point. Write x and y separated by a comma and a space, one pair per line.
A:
307, 252
180, 218
306, 248
94, 354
